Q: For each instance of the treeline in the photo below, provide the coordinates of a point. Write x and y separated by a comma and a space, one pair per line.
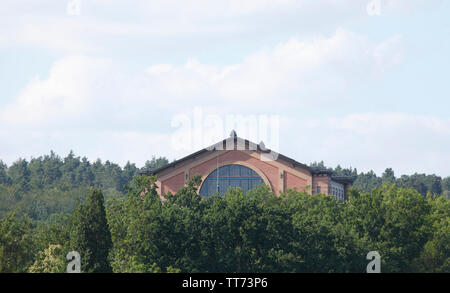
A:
254, 232
115, 219
366, 182
50, 184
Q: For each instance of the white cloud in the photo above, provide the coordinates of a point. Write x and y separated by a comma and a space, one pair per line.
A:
389, 53
71, 87
299, 73
45, 23
312, 70
93, 106
67, 35
403, 7
97, 108
159, 69
407, 143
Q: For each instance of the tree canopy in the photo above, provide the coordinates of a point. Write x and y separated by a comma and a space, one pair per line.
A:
116, 220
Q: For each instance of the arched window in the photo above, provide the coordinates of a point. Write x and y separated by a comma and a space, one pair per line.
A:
230, 176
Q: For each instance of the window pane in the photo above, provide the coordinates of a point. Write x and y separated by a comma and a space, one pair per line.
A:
230, 175
235, 183
234, 170
224, 184
244, 185
224, 171
212, 186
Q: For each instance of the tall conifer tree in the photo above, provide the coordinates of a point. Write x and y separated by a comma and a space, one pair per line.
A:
90, 235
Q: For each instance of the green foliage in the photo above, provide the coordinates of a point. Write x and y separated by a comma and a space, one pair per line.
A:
324, 239
261, 232
50, 260
20, 175
3, 176
155, 163
90, 235
435, 257
49, 184
366, 182
422, 183
388, 176
16, 248
339, 171
53, 231
446, 187
132, 223
57, 211
395, 222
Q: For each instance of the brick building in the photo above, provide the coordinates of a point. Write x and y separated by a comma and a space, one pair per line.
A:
236, 162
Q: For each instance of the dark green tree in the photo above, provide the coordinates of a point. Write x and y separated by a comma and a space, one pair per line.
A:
446, 187
84, 174
366, 182
36, 169
16, 246
435, 257
3, 176
52, 168
394, 221
68, 169
388, 176
20, 175
133, 223
155, 163
129, 170
422, 183
90, 234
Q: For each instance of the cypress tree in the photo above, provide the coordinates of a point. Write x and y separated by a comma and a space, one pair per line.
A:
90, 235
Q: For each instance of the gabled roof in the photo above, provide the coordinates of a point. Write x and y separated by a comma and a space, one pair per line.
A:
344, 179
247, 145
221, 145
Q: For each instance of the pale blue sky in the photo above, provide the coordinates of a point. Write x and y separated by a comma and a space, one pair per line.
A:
368, 91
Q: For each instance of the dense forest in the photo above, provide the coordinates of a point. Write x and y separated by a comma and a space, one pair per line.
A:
51, 185
366, 182
114, 218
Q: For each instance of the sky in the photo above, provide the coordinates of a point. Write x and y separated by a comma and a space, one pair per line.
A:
360, 83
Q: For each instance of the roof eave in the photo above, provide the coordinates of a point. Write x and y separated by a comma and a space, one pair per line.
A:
214, 148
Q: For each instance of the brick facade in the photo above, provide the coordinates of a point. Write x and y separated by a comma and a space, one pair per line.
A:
280, 174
